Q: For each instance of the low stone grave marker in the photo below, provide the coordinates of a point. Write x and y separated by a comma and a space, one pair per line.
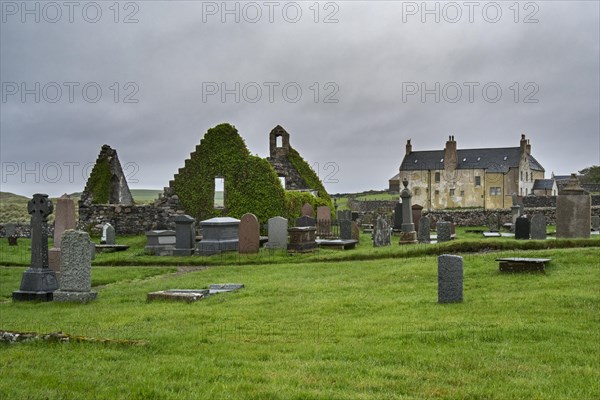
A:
538, 227
192, 295
160, 243
517, 264
76, 268
522, 228
450, 279
444, 231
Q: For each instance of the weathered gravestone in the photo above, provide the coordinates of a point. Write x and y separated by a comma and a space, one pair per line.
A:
38, 281
595, 222
417, 213
522, 228
345, 229
355, 232
515, 210
573, 211
305, 221
398, 216
11, 234
493, 223
444, 231
424, 233
185, 235
278, 233
408, 234
76, 268
64, 218
110, 234
538, 227
249, 234
323, 221
302, 239
160, 243
381, 233
450, 279
307, 210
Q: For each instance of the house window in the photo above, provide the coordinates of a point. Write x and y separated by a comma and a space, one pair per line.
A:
451, 192
437, 177
278, 142
477, 181
416, 191
282, 180
521, 175
495, 191
219, 192
437, 192
462, 193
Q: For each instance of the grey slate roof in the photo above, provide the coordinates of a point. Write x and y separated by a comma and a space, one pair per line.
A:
494, 160
543, 184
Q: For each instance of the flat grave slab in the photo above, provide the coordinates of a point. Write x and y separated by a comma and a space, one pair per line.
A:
337, 243
192, 295
517, 264
492, 234
111, 247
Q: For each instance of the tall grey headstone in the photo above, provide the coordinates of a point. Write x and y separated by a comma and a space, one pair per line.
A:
424, 233
76, 268
522, 228
538, 227
444, 231
345, 229
408, 234
515, 210
64, 218
185, 235
398, 216
278, 233
450, 279
573, 211
595, 222
381, 233
38, 281
11, 234
110, 234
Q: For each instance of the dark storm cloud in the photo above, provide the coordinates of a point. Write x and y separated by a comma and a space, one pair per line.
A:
367, 57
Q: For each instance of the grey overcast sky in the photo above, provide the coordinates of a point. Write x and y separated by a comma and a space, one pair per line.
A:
350, 81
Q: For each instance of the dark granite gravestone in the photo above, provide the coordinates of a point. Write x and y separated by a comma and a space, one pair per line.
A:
595, 222
522, 228
76, 268
249, 234
381, 233
450, 279
38, 281
305, 221
538, 227
307, 210
408, 234
417, 213
424, 233
11, 234
302, 239
444, 231
278, 233
345, 229
219, 234
573, 211
185, 235
398, 216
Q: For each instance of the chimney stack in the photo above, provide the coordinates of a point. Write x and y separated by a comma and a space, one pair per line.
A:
523, 144
450, 154
528, 147
408, 147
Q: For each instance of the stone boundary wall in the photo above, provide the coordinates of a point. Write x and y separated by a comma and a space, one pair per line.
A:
550, 201
127, 220
372, 205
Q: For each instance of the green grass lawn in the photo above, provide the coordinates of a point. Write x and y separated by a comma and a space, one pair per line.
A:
321, 330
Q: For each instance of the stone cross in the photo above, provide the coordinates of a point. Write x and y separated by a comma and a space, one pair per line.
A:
39, 207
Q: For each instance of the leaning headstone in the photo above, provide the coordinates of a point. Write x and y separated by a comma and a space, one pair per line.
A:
38, 281
522, 228
345, 229
596, 223
450, 279
307, 210
573, 211
381, 233
110, 235
76, 268
398, 216
11, 234
408, 234
305, 221
64, 218
185, 235
424, 233
249, 234
278, 233
538, 227
444, 231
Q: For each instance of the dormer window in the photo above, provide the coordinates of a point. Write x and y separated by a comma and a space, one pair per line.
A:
505, 158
